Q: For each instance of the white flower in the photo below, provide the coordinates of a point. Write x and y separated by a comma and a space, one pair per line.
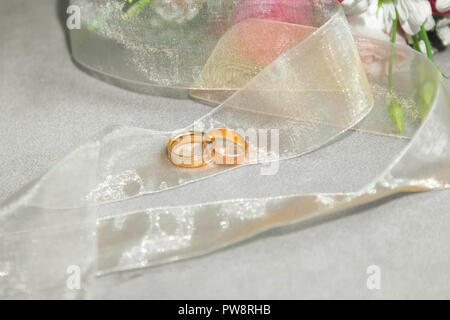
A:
356, 6
366, 18
423, 47
179, 11
412, 14
443, 31
443, 5
387, 11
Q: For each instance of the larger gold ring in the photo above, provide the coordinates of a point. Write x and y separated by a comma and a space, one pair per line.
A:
219, 150
187, 150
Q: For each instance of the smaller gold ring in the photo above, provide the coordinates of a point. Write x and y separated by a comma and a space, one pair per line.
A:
177, 152
219, 155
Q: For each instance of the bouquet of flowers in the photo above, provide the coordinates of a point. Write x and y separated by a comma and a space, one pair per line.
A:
416, 18
377, 18
421, 23
404, 21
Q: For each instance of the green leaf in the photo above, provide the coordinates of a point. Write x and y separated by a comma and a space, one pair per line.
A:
396, 113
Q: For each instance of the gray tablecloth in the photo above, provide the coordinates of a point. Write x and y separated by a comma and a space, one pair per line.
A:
48, 107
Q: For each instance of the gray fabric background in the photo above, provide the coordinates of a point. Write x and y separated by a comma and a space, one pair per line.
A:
48, 107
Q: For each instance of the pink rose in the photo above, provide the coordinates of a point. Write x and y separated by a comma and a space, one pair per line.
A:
263, 41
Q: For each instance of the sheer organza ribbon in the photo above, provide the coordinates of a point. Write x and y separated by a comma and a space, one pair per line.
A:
95, 211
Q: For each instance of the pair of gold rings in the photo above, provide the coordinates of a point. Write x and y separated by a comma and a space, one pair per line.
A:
194, 149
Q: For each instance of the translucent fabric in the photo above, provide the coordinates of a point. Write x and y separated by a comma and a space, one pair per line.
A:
302, 82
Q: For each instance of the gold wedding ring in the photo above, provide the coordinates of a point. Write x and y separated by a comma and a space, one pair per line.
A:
195, 149
220, 150
187, 150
